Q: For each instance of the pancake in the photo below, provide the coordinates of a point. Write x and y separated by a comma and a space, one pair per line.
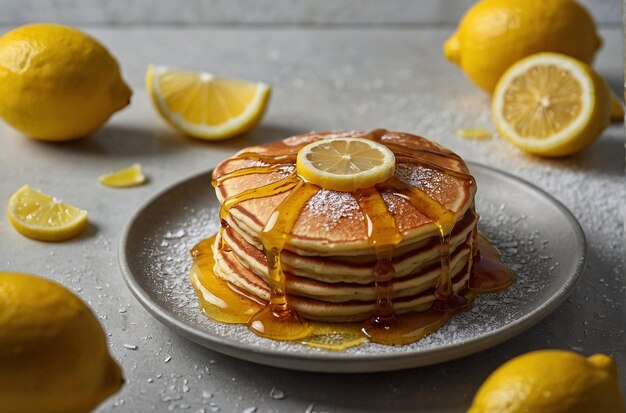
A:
344, 302
328, 261
354, 269
331, 223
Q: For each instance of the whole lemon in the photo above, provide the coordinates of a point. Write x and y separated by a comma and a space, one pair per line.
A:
53, 352
551, 381
494, 34
57, 83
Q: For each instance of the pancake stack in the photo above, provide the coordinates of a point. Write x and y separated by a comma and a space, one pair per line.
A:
328, 262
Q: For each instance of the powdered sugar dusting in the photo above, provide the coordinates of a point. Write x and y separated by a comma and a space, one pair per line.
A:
427, 179
525, 245
333, 205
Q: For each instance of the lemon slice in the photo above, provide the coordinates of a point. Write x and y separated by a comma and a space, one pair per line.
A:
345, 164
39, 216
123, 178
206, 106
551, 105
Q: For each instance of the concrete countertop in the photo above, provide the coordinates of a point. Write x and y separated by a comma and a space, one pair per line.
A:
324, 79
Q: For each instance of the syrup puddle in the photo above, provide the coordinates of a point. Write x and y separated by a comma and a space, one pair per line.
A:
474, 133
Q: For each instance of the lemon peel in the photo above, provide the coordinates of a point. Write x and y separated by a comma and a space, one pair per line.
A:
494, 34
551, 381
58, 83
54, 356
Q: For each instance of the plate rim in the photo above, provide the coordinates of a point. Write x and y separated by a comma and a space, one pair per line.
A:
319, 361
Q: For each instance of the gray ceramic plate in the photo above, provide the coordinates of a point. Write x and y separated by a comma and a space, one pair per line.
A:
538, 237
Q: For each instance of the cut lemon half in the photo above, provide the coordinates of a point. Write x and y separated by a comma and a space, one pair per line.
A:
551, 105
345, 164
124, 178
42, 217
206, 106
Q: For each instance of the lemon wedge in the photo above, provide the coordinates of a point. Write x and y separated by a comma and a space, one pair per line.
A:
124, 178
345, 164
42, 217
206, 106
550, 104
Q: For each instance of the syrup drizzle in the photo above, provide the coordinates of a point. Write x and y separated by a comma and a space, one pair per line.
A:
219, 300
257, 170
277, 320
275, 188
383, 236
283, 158
226, 303
488, 275
443, 219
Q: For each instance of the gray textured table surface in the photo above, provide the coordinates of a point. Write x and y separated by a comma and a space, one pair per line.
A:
323, 79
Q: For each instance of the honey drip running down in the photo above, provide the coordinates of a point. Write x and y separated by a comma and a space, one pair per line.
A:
275, 319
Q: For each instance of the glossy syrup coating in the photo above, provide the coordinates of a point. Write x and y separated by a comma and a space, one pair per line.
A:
277, 320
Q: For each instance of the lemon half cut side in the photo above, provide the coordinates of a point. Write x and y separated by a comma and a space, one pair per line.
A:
551, 105
206, 106
43, 217
345, 164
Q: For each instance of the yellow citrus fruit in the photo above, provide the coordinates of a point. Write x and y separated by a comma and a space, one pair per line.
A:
551, 381
345, 164
43, 217
57, 83
206, 106
551, 105
53, 353
123, 178
494, 34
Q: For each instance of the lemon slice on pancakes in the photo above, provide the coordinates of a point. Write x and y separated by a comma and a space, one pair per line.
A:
43, 217
345, 164
206, 106
550, 104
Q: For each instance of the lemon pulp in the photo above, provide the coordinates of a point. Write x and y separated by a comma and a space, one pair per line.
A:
551, 105
345, 164
43, 217
542, 101
206, 106
123, 178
